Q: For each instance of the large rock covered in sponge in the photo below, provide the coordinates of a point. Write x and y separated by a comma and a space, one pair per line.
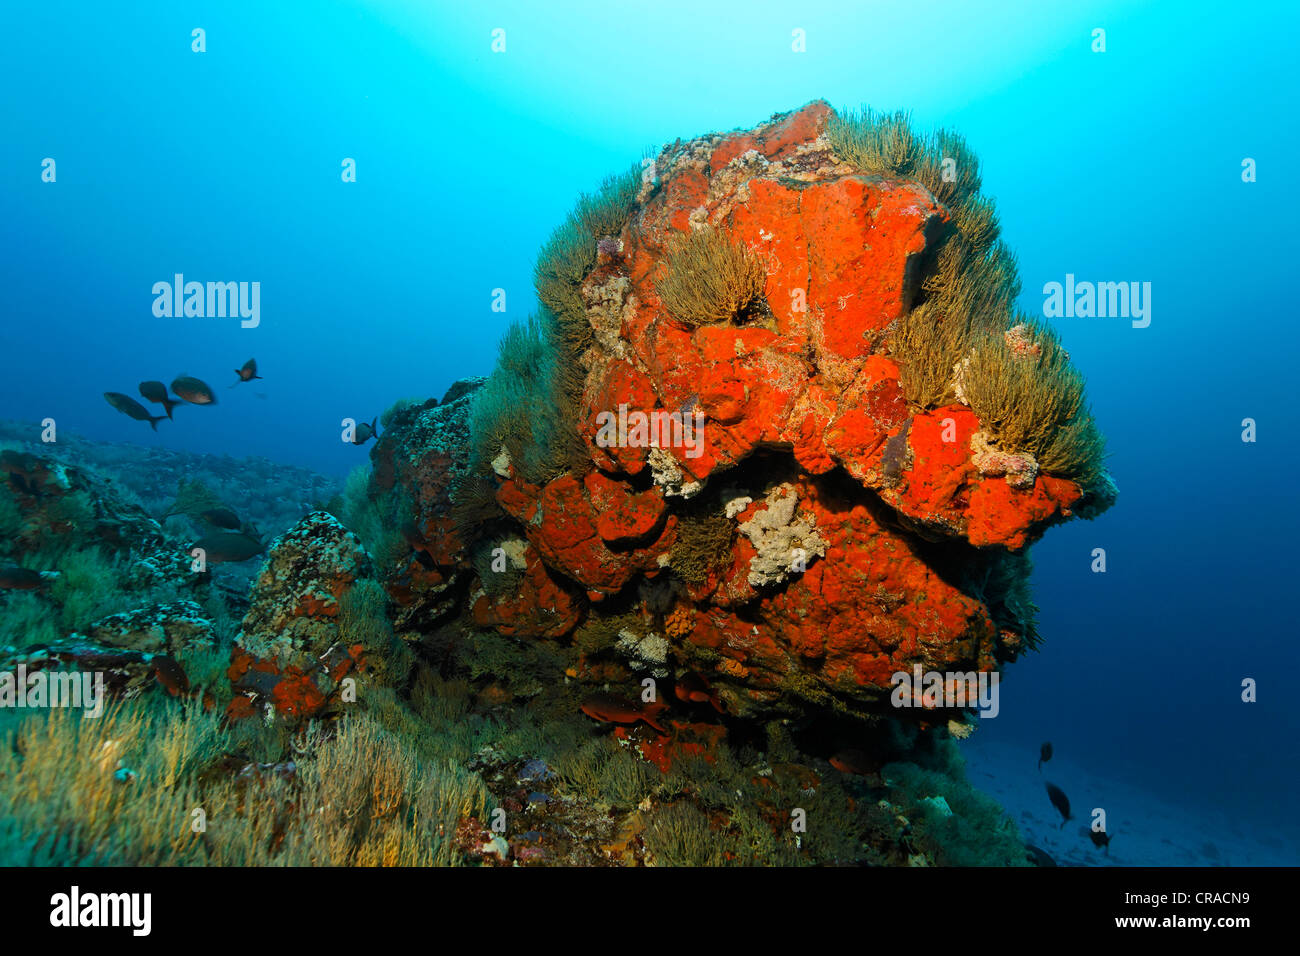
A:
753, 447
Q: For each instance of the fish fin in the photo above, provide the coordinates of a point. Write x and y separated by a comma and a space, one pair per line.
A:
153, 422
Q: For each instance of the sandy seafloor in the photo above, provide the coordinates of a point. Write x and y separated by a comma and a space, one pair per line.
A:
1146, 828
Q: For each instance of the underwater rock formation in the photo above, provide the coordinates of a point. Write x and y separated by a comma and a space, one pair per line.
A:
51, 505
291, 651
422, 452
156, 629
754, 468
113, 591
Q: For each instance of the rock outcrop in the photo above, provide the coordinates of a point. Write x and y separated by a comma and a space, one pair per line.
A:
817, 533
116, 592
292, 651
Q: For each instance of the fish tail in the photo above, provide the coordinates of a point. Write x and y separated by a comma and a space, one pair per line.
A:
153, 421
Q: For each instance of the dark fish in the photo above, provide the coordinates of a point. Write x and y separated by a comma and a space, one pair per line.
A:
15, 578
226, 547
193, 391
1060, 801
132, 409
620, 710
411, 534
1100, 838
693, 688
19, 465
856, 762
171, 675
248, 372
1038, 856
364, 432
221, 518
157, 392
1044, 754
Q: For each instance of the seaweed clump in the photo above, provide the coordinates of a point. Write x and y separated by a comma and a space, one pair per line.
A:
363, 619
522, 409
703, 543
570, 253
711, 279
1026, 393
374, 516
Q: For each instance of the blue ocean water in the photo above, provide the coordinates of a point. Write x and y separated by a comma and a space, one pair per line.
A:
1125, 165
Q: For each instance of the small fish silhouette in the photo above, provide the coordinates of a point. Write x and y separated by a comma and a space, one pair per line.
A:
857, 762
1038, 856
129, 407
248, 372
1060, 801
1100, 838
230, 547
193, 390
364, 432
15, 578
157, 392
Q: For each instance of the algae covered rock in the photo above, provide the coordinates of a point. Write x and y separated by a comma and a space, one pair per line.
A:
316, 616
294, 604
416, 461
157, 628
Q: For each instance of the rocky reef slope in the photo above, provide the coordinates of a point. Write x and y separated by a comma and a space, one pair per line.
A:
639, 596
